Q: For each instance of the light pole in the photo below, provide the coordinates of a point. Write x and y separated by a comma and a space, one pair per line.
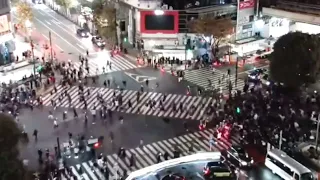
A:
236, 74
51, 51
33, 60
185, 47
317, 134
280, 140
229, 47
58, 146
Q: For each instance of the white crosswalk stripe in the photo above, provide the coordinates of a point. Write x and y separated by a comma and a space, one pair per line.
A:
146, 155
199, 103
119, 63
200, 77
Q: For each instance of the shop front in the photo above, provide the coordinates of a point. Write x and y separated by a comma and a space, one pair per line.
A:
276, 27
7, 43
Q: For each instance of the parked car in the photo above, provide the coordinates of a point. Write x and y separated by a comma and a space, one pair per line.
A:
98, 41
83, 32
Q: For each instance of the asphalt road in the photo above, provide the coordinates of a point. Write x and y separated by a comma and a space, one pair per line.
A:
128, 134
245, 68
136, 77
66, 44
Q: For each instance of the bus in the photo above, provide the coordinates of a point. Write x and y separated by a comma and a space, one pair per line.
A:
286, 167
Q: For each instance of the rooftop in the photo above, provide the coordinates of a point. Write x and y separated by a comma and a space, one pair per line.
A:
301, 6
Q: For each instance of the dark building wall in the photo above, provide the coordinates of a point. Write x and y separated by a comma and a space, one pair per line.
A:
184, 4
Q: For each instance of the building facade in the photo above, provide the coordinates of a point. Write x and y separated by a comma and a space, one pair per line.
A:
7, 44
284, 16
136, 28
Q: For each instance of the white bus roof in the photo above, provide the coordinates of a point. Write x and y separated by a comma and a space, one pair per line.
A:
290, 162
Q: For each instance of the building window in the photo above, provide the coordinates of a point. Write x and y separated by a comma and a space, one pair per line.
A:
4, 4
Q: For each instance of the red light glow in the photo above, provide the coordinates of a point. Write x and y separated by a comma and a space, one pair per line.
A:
96, 145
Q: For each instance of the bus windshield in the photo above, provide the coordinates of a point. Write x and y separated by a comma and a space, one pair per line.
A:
307, 176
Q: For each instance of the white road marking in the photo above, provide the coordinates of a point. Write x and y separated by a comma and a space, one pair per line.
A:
59, 47
81, 51
45, 36
55, 21
60, 24
48, 22
79, 45
41, 13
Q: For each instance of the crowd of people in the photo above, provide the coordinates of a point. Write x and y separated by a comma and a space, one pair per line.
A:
266, 112
272, 114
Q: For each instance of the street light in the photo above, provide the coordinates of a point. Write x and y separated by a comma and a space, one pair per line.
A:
159, 12
317, 134
33, 60
51, 51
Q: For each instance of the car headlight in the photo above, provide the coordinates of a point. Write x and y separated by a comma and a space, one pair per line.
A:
267, 83
243, 163
82, 34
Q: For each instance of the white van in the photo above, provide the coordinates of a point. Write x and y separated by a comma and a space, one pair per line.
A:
286, 167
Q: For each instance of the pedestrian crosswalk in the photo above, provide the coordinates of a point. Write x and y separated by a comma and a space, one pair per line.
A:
118, 63
200, 77
147, 155
193, 106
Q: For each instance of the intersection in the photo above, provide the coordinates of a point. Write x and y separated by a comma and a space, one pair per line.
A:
160, 130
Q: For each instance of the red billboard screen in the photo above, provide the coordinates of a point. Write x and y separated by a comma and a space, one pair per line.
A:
246, 4
166, 23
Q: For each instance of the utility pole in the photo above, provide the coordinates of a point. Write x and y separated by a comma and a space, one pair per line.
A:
185, 47
51, 51
116, 7
33, 59
236, 75
280, 140
58, 146
317, 134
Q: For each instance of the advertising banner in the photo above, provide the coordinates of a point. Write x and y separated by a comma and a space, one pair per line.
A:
246, 4
165, 23
245, 17
4, 24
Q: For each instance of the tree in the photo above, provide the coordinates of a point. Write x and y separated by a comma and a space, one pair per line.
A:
104, 19
66, 4
217, 28
296, 59
24, 14
11, 166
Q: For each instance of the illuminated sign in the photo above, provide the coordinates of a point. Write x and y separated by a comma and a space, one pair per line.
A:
4, 24
246, 4
277, 23
144, 30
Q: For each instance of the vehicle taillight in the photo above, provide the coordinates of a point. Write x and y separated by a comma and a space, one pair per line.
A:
201, 127
206, 171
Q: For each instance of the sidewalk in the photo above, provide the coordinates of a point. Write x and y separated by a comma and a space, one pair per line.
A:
21, 47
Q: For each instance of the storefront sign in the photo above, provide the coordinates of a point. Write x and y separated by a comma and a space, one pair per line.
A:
245, 16
243, 20
277, 23
246, 4
4, 24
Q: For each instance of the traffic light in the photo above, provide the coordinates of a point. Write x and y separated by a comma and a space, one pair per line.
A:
39, 69
238, 110
125, 39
